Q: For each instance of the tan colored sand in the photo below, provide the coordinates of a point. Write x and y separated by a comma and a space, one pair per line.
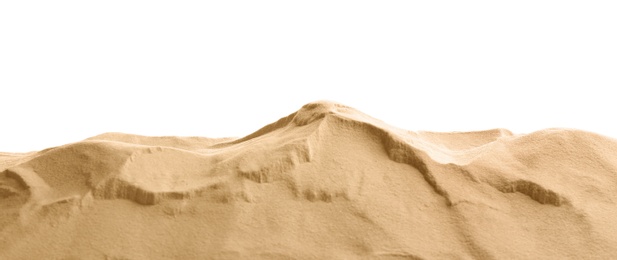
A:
326, 182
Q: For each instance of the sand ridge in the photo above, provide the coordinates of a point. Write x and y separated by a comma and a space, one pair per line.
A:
325, 182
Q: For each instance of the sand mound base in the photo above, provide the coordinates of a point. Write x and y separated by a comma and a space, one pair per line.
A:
325, 182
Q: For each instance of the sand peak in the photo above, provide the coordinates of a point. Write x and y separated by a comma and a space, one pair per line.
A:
317, 110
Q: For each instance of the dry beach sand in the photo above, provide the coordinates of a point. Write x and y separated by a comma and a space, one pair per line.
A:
326, 182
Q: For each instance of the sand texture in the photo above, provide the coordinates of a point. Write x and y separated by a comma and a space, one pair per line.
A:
325, 182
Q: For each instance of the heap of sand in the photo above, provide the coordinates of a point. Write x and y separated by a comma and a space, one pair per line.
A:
326, 182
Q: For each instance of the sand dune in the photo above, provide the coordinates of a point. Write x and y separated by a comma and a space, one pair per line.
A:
325, 182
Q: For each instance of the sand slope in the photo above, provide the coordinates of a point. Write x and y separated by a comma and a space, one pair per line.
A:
326, 182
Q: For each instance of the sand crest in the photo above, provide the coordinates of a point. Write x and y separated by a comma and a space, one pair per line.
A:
325, 182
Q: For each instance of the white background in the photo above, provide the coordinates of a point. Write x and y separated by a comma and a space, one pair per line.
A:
73, 69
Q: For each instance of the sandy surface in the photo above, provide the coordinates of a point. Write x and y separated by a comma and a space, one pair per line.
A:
326, 182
